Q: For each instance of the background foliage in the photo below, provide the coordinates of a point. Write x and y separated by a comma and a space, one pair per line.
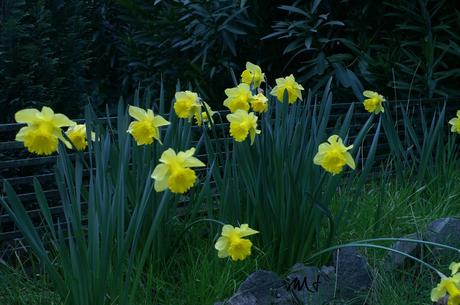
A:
69, 53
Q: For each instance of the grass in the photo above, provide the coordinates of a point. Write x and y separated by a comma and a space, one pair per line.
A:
195, 275
17, 288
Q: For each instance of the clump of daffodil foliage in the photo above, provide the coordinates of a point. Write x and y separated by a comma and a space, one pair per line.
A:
277, 172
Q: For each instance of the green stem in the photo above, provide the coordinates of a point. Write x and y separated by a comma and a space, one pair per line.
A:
365, 245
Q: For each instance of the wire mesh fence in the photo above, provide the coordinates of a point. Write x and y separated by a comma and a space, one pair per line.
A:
20, 168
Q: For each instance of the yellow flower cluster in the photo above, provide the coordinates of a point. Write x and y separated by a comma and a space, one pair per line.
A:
175, 170
43, 131
448, 286
333, 155
241, 99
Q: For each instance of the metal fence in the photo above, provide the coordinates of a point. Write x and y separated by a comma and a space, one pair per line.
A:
19, 167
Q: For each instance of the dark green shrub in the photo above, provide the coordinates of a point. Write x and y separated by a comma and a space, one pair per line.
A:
46, 49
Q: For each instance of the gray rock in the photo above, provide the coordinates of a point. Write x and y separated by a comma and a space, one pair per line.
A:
261, 288
396, 260
353, 273
311, 285
444, 231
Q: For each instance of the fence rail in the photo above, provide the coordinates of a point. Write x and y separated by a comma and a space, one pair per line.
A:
19, 167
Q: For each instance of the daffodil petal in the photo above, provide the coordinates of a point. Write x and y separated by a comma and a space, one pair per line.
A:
26, 116
167, 155
160, 121
47, 113
350, 161
160, 172
221, 243
137, 113
227, 229
21, 133
61, 120
161, 185
370, 94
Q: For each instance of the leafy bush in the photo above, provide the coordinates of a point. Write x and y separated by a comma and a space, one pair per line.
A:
406, 45
46, 53
68, 53
187, 40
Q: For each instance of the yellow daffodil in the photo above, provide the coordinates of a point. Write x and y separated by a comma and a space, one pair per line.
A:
242, 124
175, 171
187, 104
259, 103
334, 155
454, 268
145, 128
238, 98
252, 75
43, 129
203, 117
231, 243
291, 86
374, 101
77, 135
448, 286
455, 122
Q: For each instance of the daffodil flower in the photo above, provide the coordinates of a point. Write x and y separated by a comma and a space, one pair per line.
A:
203, 117
455, 122
174, 171
43, 130
374, 101
187, 104
333, 156
449, 286
232, 244
259, 103
238, 98
252, 75
294, 89
243, 124
145, 128
77, 135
